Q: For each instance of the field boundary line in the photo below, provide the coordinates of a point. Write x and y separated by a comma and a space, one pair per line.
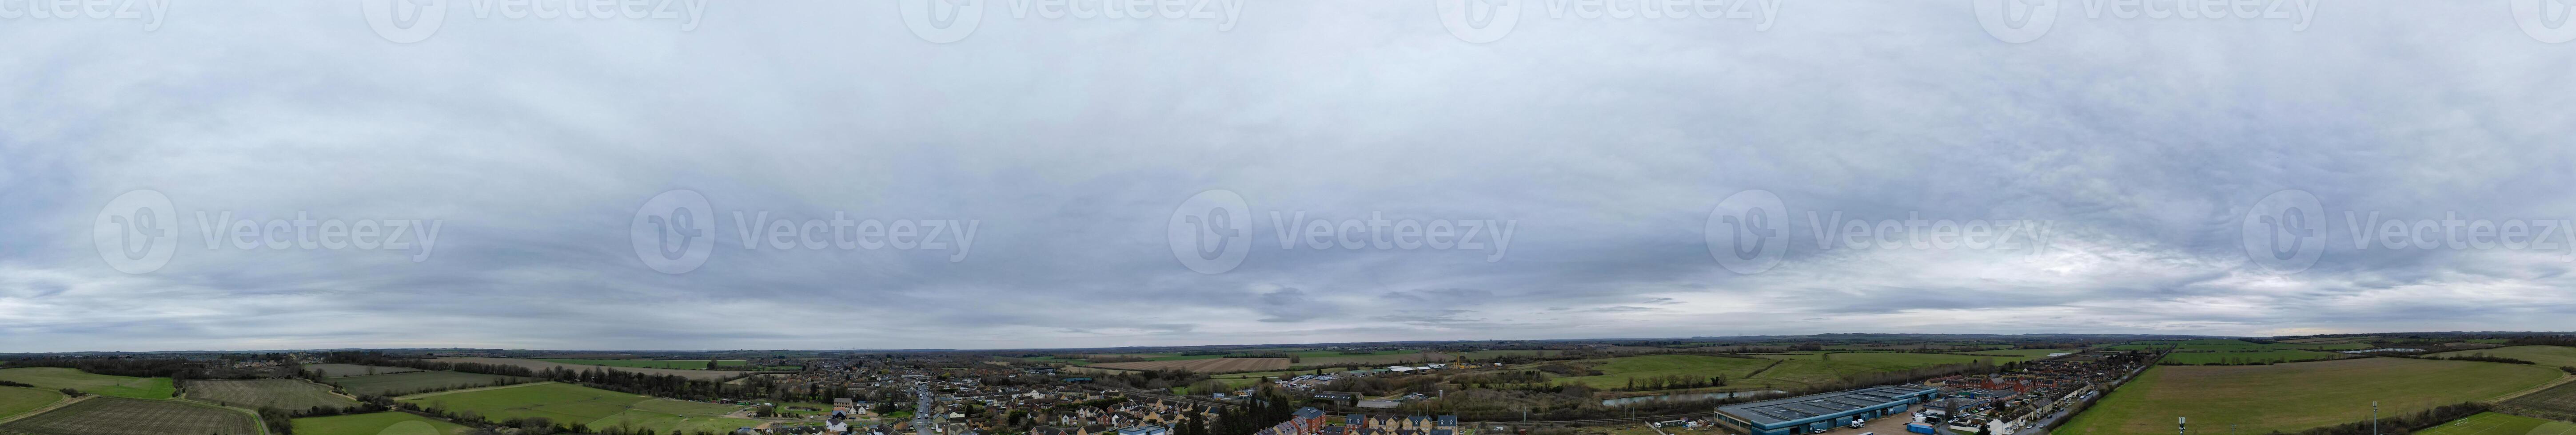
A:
67, 401
2562, 380
438, 393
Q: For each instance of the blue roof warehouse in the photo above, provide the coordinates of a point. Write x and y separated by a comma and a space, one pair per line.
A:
1820, 412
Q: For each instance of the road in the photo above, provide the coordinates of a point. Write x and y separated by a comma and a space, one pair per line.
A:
921, 412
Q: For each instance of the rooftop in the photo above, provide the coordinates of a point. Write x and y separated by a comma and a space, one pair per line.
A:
1808, 406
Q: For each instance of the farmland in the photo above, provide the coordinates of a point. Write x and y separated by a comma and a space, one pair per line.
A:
14, 400
278, 393
2501, 424
2024, 353
1616, 372
1373, 360
1205, 365
2261, 356
123, 416
542, 365
594, 407
1776, 371
104, 385
2560, 399
2552, 356
418, 382
381, 423
340, 370
2228, 345
680, 364
2297, 396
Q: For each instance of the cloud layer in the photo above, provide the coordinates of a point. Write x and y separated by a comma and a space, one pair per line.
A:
2142, 144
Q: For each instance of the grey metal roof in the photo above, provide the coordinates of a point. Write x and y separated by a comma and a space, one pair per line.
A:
1809, 406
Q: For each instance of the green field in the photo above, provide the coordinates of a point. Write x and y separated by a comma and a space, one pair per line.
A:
600, 409
2297, 396
2560, 399
1791, 370
15, 400
2265, 356
340, 370
104, 385
2024, 353
292, 394
681, 364
417, 382
2231, 345
2552, 356
122, 416
1616, 372
2489, 423
380, 423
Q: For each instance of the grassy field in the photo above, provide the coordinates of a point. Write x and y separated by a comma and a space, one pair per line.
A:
339, 370
1615, 372
380, 423
104, 385
2024, 353
542, 365
2489, 423
595, 407
1205, 365
2231, 345
648, 363
2552, 356
122, 416
14, 400
417, 382
293, 394
2269, 356
1790, 370
1374, 360
2297, 396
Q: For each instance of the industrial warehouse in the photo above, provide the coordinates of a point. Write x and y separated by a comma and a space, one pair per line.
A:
1821, 412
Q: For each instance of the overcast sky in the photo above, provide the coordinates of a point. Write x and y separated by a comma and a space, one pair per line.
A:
1121, 174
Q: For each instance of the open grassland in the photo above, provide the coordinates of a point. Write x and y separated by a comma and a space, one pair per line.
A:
600, 409
123, 416
1484, 354
1780, 371
2297, 396
2231, 345
339, 370
2261, 356
2489, 423
2560, 399
15, 400
1205, 365
2332, 340
1374, 360
380, 423
293, 394
1616, 372
2552, 356
2023, 353
648, 363
104, 385
542, 365
419, 382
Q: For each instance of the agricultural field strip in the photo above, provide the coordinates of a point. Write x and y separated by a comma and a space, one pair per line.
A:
127, 416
